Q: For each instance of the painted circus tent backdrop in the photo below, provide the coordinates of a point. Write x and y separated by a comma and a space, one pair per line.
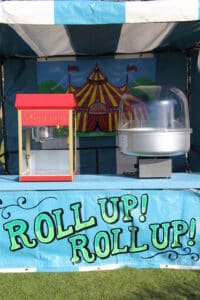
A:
98, 94
98, 103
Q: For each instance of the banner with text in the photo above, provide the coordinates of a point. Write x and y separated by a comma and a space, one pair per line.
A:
92, 230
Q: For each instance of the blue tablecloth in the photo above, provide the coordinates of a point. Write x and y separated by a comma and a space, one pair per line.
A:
104, 182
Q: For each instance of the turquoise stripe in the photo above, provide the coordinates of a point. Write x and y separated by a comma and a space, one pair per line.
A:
89, 12
198, 9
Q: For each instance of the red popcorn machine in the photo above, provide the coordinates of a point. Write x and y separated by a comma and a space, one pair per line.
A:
46, 137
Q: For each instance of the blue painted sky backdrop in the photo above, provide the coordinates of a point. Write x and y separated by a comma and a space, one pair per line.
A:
114, 69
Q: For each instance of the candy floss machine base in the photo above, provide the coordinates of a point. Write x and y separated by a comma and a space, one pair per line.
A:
154, 127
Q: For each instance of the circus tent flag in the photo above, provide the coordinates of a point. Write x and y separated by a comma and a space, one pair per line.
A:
131, 68
72, 68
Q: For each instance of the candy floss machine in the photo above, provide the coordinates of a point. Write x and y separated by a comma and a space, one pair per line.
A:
154, 126
46, 137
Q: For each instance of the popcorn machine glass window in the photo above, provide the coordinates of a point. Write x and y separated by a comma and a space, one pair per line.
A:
46, 136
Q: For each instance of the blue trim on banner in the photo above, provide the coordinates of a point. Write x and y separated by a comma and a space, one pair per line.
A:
89, 12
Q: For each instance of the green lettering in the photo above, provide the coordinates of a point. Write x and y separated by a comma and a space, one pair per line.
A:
17, 230
129, 202
79, 224
180, 228
102, 244
61, 232
116, 241
44, 228
160, 235
79, 245
114, 215
134, 243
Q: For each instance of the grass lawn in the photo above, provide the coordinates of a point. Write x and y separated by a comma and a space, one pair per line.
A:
119, 284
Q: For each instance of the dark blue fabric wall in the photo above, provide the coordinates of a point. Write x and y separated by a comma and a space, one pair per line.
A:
195, 112
20, 77
172, 71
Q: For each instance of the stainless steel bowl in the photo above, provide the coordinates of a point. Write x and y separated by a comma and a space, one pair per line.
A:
154, 142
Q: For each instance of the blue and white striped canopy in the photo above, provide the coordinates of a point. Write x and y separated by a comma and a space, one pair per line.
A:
62, 27
97, 12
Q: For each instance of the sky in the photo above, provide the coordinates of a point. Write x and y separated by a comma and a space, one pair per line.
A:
114, 69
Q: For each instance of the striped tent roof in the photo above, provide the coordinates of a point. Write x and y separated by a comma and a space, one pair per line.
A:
98, 103
97, 12
55, 28
71, 89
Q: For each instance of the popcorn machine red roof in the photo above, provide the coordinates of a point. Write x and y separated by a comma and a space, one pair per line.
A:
46, 137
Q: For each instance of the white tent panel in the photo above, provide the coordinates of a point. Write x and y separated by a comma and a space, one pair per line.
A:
97, 12
27, 12
45, 40
162, 11
136, 38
